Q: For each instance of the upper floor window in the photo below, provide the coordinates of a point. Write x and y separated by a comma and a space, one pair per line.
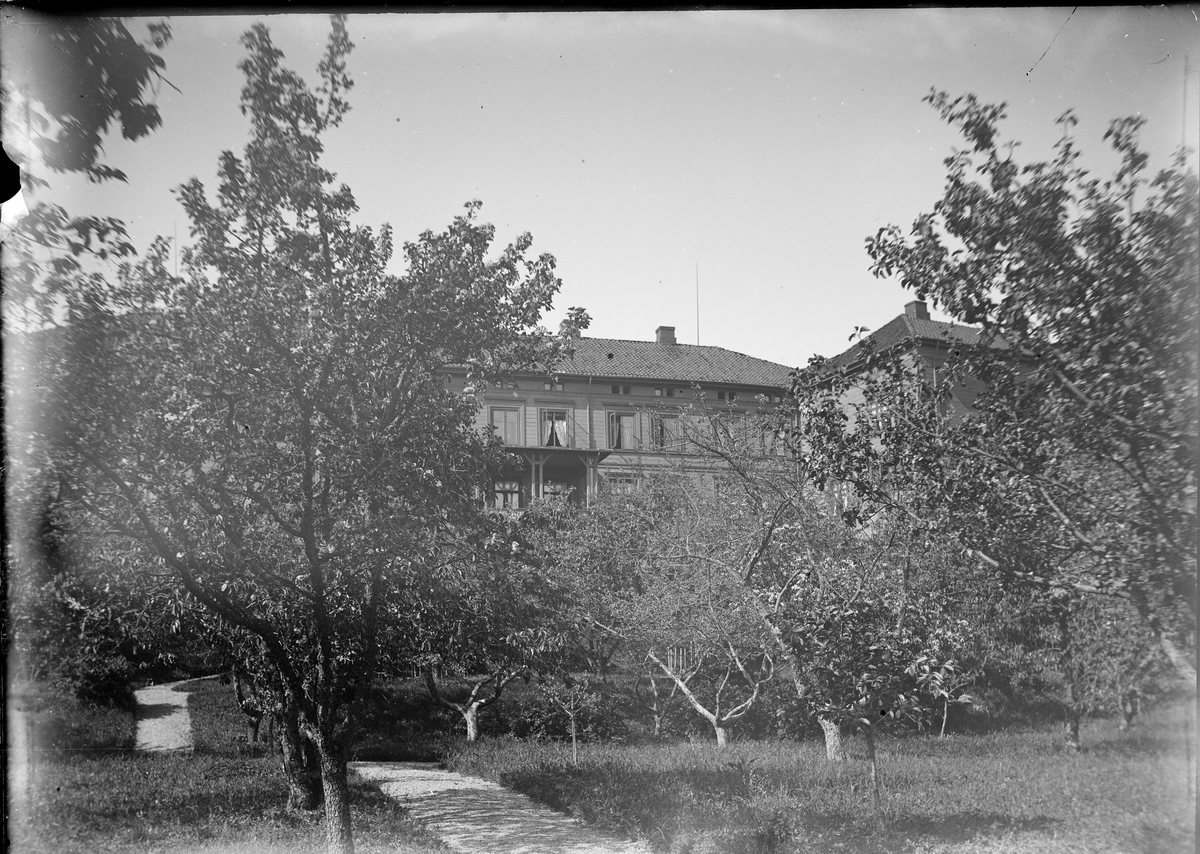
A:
622, 389
549, 385
507, 421
668, 434
554, 428
664, 392
729, 396
621, 426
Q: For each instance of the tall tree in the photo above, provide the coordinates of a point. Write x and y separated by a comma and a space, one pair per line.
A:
1093, 285
1077, 471
275, 427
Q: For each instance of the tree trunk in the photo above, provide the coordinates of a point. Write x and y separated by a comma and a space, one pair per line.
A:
1130, 704
1071, 730
870, 738
339, 837
835, 751
471, 718
722, 737
299, 766
1070, 706
251, 706
945, 715
655, 706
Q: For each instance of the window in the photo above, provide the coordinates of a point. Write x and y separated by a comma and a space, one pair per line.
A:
620, 483
730, 396
554, 428
877, 415
622, 389
506, 494
620, 430
552, 386
507, 422
668, 435
742, 429
556, 488
664, 392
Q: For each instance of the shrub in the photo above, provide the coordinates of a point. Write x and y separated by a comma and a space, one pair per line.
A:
104, 681
402, 722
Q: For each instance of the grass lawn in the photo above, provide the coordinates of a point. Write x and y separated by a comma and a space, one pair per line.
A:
1008, 792
1004, 792
99, 796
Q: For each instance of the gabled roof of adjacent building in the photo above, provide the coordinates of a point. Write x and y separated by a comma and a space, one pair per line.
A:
913, 325
665, 361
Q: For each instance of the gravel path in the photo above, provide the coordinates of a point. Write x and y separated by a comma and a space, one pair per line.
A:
163, 723
475, 816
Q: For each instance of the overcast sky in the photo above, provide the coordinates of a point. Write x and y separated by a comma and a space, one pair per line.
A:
760, 147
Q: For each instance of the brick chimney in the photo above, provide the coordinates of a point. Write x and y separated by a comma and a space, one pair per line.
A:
917, 309
664, 335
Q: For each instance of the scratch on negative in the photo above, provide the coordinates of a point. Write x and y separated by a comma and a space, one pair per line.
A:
1052, 41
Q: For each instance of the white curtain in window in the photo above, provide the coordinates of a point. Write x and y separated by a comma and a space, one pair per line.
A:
555, 434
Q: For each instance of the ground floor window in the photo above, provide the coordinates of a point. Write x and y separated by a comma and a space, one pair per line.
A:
556, 488
620, 483
506, 494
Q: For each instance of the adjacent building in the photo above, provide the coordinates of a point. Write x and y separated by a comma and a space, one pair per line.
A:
615, 409
928, 342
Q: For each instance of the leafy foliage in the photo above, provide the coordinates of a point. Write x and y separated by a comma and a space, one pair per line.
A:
81, 74
273, 430
1075, 468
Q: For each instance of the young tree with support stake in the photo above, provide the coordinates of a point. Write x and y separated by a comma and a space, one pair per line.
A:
275, 427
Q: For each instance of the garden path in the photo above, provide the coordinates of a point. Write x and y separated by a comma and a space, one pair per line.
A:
163, 722
469, 815
474, 816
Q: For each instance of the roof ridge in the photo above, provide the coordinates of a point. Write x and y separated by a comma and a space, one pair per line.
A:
643, 341
680, 344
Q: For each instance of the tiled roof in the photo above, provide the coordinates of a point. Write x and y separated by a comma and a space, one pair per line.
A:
648, 360
906, 327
